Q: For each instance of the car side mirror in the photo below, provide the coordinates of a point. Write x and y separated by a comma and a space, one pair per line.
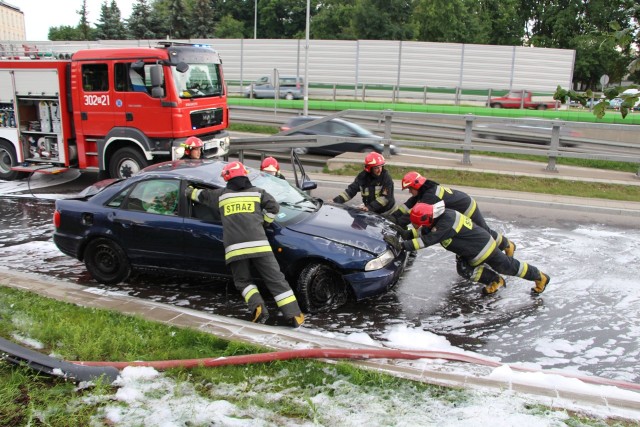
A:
309, 185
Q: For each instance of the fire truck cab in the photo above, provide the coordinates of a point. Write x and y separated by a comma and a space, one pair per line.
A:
114, 111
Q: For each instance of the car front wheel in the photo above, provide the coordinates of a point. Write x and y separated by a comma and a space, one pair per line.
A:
321, 288
106, 262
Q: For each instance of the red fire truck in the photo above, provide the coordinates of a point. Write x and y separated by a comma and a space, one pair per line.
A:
113, 111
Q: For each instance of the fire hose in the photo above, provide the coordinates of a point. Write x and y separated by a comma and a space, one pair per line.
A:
354, 354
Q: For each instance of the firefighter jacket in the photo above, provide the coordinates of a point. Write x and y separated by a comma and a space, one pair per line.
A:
244, 210
456, 233
431, 193
377, 192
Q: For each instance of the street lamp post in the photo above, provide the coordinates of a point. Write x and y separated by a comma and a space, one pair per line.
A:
255, 19
305, 110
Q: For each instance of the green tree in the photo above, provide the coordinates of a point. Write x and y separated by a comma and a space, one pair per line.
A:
179, 19
84, 26
281, 19
503, 22
110, 25
140, 24
65, 32
202, 19
382, 19
446, 21
333, 21
230, 28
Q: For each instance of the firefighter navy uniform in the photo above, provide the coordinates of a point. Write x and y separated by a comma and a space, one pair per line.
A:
431, 192
478, 257
245, 210
376, 191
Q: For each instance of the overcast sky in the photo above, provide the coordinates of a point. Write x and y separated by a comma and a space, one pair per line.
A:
39, 15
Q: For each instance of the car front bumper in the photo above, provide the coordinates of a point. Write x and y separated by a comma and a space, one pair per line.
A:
367, 284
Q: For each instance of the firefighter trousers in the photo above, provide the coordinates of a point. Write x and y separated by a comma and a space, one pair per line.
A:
497, 263
268, 268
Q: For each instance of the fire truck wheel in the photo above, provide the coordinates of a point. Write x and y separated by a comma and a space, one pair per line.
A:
126, 162
7, 160
106, 262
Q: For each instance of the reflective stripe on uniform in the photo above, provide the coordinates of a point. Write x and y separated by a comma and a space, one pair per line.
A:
477, 273
471, 209
404, 209
285, 298
244, 248
484, 253
195, 194
248, 292
268, 217
440, 192
417, 243
522, 271
344, 196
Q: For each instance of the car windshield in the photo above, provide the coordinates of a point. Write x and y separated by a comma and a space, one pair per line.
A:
359, 129
293, 202
199, 81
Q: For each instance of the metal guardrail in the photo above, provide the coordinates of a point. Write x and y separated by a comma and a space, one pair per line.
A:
446, 131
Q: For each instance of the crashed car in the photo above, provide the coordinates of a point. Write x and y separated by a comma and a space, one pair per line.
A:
327, 252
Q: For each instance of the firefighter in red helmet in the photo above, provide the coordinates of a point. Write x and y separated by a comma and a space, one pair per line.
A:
245, 210
426, 191
477, 255
375, 185
272, 167
192, 148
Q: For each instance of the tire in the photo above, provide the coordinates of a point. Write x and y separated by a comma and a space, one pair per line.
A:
321, 288
289, 96
541, 107
126, 162
301, 150
496, 105
106, 261
8, 159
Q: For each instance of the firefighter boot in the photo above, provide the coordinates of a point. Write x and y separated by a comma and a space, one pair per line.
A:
510, 249
493, 287
541, 284
260, 314
296, 321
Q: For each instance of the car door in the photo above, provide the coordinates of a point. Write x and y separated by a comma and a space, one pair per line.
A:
148, 223
203, 245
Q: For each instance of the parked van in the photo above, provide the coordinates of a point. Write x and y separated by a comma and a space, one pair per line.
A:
290, 87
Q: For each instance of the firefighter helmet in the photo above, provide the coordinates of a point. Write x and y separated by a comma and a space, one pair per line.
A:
233, 170
191, 143
269, 164
372, 160
413, 180
423, 214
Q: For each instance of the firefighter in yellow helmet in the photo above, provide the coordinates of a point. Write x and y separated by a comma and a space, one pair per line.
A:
478, 257
245, 210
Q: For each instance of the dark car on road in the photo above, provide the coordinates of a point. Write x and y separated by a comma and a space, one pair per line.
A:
529, 132
354, 138
328, 252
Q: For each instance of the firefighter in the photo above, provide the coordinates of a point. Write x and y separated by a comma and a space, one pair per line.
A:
272, 167
192, 148
478, 258
245, 211
430, 192
375, 185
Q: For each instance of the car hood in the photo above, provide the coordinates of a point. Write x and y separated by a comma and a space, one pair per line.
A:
348, 226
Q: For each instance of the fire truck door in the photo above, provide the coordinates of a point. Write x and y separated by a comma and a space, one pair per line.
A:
136, 108
95, 116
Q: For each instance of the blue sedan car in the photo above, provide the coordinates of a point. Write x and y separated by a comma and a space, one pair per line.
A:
327, 252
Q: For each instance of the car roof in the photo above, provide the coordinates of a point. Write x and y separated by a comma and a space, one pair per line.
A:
300, 119
205, 171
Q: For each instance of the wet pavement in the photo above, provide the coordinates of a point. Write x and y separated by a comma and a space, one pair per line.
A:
588, 321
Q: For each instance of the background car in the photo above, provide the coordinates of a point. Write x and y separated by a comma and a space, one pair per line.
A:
529, 132
327, 252
289, 87
336, 127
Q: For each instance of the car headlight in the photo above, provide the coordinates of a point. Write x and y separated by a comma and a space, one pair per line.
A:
380, 262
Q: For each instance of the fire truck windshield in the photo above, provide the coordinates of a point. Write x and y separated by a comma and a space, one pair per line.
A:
199, 81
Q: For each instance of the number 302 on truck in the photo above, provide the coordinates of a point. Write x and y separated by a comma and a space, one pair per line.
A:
113, 111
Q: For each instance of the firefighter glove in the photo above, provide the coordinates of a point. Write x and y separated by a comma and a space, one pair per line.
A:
338, 199
408, 245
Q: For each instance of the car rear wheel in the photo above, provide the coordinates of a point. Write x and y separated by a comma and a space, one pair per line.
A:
321, 288
496, 105
106, 262
541, 107
288, 96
